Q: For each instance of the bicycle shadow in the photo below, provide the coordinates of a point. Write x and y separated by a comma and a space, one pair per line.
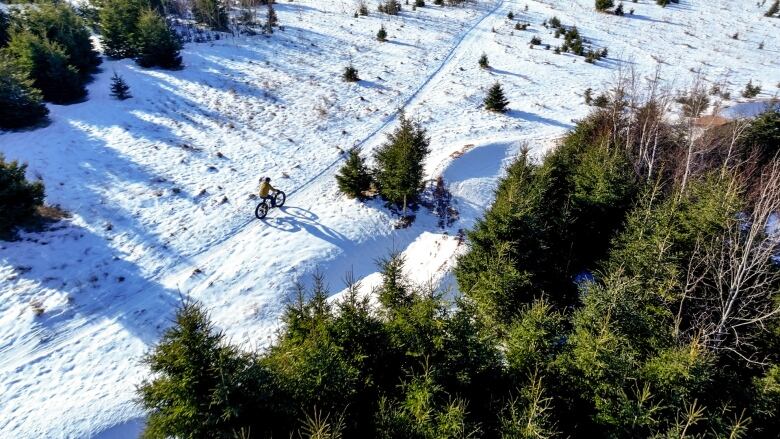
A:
298, 219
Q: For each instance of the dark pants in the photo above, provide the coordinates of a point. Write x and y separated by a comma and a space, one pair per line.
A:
271, 199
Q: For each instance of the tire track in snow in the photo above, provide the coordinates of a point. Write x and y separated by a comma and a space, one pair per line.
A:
216, 245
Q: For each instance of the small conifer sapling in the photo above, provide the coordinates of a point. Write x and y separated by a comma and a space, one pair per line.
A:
495, 99
119, 88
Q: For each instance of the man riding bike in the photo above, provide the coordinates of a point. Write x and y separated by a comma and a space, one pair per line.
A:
266, 191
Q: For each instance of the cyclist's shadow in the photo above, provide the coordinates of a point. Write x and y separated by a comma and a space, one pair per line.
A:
297, 219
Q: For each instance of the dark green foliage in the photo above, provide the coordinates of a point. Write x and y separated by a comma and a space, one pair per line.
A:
211, 13
354, 178
399, 162
602, 5
46, 63
555, 23
59, 23
549, 222
390, 7
20, 102
158, 44
350, 74
119, 26
763, 135
535, 41
510, 15
119, 88
419, 3
19, 198
619, 10
4, 24
381, 35
202, 386
483, 61
751, 90
495, 100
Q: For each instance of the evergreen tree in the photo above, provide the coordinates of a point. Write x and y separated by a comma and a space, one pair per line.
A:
158, 44
400, 171
19, 198
353, 178
211, 13
272, 18
381, 35
4, 25
483, 61
46, 63
119, 26
495, 100
59, 23
350, 74
20, 102
602, 5
202, 386
119, 88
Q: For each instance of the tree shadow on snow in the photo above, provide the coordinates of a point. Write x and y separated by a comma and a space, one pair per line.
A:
100, 284
531, 117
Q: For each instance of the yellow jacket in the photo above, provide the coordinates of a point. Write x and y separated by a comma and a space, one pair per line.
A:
265, 189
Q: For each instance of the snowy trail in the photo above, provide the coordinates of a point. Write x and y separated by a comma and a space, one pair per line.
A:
216, 249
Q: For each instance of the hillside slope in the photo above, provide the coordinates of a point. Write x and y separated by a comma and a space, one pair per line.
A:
159, 185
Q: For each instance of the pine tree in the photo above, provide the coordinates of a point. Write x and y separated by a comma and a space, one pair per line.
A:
20, 102
272, 18
350, 74
59, 23
119, 27
510, 15
158, 44
773, 9
46, 63
382, 34
483, 61
201, 387
211, 13
119, 88
353, 179
19, 198
495, 100
4, 24
602, 5
400, 171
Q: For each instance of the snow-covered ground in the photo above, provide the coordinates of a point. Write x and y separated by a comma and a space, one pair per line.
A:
159, 185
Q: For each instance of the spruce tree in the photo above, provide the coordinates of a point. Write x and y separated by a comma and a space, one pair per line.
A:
381, 35
350, 74
19, 198
158, 44
273, 19
602, 5
60, 24
353, 179
4, 24
400, 169
119, 27
20, 102
201, 386
211, 13
483, 61
46, 63
495, 100
119, 88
